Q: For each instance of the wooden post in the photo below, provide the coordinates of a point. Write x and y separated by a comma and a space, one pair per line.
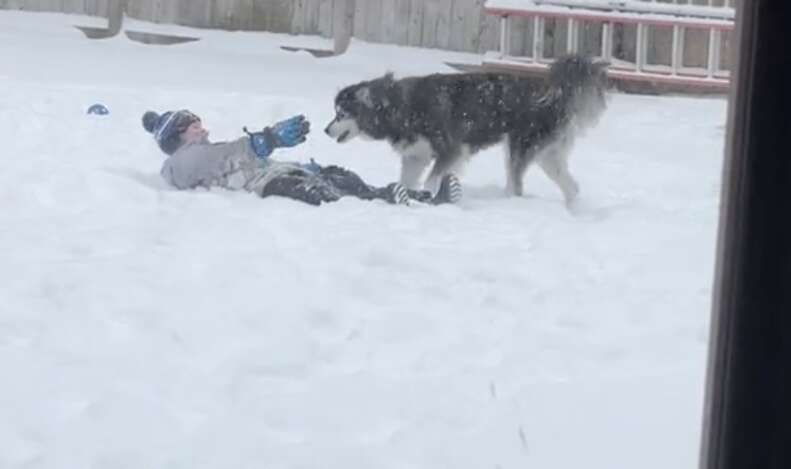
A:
344, 25
115, 16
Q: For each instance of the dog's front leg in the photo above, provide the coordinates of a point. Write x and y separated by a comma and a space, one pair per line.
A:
555, 164
450, 161
412, 169
435, 176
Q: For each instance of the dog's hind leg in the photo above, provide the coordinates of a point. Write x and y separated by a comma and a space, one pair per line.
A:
554, 162
517, 159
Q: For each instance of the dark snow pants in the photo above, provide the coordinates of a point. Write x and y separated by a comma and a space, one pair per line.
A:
330, 184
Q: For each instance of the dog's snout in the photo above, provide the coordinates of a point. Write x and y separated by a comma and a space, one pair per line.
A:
328, 129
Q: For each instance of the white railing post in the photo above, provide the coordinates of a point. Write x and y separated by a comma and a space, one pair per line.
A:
572, 36
505, 36
677, 58
715, 43
641, 48
538, 39
606, 40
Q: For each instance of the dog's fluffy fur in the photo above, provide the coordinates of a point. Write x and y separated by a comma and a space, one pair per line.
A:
445, 118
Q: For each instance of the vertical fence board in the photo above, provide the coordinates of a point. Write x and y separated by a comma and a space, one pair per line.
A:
430, 18
415, 23
444, 23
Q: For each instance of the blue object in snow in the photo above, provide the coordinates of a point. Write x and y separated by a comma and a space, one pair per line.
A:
99, 110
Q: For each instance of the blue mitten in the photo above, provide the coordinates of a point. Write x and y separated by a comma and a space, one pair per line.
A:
291, 132
286, 133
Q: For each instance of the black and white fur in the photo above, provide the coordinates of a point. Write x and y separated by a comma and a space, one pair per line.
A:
445, 118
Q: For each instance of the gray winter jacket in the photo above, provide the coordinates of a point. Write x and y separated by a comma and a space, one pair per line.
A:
231, 165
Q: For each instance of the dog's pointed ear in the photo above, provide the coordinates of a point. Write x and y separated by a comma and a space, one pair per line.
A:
363, 94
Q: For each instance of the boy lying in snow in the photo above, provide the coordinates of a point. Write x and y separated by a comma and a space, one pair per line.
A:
193, 161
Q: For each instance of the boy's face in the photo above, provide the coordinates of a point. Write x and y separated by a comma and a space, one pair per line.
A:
195, 133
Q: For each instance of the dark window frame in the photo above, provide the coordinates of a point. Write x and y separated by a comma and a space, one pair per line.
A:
747, 415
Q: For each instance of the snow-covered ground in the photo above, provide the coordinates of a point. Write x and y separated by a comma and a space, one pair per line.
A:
142, 327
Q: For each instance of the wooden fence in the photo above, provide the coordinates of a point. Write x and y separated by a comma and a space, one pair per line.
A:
446, 24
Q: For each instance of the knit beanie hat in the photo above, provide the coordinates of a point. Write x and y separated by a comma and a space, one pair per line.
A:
167, 127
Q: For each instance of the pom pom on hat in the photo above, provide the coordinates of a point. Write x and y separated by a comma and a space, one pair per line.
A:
150, 120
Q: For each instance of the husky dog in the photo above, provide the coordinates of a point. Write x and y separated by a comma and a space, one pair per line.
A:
445, 118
